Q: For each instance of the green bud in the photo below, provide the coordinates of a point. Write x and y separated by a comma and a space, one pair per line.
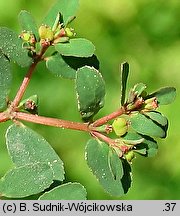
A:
151, 104
25, 36
129, 156
46, 33
120, 126
69, 32
30, 104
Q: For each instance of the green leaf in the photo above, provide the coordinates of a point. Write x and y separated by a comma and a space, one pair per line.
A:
26, 180
157, 117
5, 79
27, 147
151, 146
124, 77
78, 62
136, 91
127, 176
143, 125
11, 46
132, 138
28, 23
66, 66
108, 168
57, 65
148, 146
90, 89
69, 191
67, 7
164, 95
78, 47
139, 88
141, 151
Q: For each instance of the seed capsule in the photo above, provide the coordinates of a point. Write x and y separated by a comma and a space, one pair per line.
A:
120, 126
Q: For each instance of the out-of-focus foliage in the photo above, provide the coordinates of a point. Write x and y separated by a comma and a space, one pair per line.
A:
144, 33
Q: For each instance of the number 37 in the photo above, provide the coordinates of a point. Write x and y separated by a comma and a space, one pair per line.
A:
169, 206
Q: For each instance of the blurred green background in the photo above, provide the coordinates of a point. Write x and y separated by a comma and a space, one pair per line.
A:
144, 33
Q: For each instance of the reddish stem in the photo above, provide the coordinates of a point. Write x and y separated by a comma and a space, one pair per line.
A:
3, 117
27, 78
23, 86
101, 136
109, 117
52, 121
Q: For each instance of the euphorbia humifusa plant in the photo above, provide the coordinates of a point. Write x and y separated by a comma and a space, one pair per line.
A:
115, 139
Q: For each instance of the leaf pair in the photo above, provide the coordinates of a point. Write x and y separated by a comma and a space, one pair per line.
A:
36, 163
36, 167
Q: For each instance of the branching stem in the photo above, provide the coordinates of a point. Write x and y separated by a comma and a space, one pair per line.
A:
13, 113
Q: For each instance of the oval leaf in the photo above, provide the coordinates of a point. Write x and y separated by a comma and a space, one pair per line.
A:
90, 89
58, 66
5, 79
67, 7
69, 191
164, 95
108, 168
157, 117
78, 47
146, 126
11, 46
26, 180
66, 66
27, 147
28, 23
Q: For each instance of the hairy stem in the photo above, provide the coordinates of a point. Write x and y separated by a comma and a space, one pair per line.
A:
52, 121
109, 117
